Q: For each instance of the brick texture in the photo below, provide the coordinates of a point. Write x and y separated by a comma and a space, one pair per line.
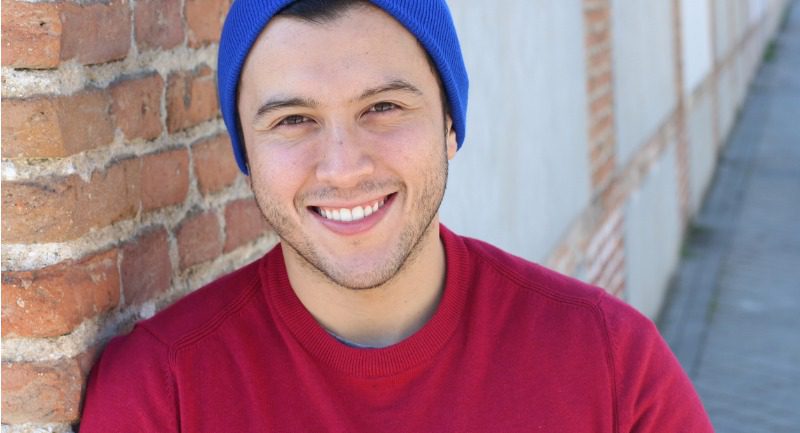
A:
165, 178
146, 268
243, 223
199, 239
599, 88
214, 164
204, 19
43, 392
158, 24
137, 106
95, 32
43, 127
117, 183
31, 34
54, 300
191, 98
61, 208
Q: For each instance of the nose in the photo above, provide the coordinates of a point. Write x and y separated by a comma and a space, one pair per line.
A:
345, 159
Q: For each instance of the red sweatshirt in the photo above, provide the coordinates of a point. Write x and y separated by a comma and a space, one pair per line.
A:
512, 347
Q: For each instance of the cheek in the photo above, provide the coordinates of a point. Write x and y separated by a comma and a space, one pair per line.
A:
279, 173
410, 142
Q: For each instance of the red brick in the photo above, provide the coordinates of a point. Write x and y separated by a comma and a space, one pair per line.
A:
96, 32
598, 15
601, 103
600, 60
243, 223
601, 174
56, 209
601, 126
191, 98
43, 127
31, 34
137, 106
146, 268
158, 24
599, 81
214, 164
165, 178
199, 239
204, 19
42, 392
31, 129
55, 300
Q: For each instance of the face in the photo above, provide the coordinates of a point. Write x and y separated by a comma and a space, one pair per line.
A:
347, 143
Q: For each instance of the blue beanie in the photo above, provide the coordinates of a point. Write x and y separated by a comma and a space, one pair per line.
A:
428, 20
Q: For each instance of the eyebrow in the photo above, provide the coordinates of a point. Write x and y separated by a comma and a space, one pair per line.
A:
390, 86
285, 102
278, 103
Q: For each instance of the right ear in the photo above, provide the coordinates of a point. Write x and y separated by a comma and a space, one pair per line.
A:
450, 138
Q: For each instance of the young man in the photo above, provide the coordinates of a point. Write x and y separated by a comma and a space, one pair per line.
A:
369, 315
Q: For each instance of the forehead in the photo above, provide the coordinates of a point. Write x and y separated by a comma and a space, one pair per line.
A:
361, 40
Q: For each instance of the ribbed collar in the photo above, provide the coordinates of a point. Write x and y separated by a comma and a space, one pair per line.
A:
412, 351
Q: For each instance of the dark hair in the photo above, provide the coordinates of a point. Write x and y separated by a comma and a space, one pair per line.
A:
318, 11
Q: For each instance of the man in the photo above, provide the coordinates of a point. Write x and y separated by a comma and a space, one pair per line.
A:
369, 315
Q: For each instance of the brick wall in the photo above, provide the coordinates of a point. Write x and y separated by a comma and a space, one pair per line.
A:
594, 247
119, 190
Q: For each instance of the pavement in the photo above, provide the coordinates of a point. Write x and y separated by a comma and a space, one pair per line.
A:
732, 316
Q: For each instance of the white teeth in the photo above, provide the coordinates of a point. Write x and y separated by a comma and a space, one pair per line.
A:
355, 214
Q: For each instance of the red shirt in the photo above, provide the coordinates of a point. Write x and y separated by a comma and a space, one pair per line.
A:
512, 347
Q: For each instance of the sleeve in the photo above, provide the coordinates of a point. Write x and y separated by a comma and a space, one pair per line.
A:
131, 388
653, 393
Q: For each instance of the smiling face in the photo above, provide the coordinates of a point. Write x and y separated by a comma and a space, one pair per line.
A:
347, 143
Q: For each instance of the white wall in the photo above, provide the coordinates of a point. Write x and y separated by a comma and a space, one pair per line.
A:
652, 236
702, 148
695, 42
644, 71
522, 175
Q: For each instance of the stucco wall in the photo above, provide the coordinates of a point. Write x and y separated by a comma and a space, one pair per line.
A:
696, 46
644, 72
522, 175
652, 236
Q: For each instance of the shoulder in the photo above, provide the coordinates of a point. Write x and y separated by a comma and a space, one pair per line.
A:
650, 390
205, 307
134, 376
577, 304
529, 276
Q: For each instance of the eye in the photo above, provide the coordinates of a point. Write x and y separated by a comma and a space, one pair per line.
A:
381, 107
293, 120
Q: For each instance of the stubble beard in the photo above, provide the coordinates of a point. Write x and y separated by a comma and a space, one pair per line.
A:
404, 253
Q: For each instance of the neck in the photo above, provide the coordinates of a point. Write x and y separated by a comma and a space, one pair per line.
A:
383, 315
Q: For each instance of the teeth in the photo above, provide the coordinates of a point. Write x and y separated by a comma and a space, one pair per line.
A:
355, 214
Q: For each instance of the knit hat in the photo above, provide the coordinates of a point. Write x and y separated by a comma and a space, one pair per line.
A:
429, 20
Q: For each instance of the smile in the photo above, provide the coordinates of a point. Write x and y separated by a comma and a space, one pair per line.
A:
356, 213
